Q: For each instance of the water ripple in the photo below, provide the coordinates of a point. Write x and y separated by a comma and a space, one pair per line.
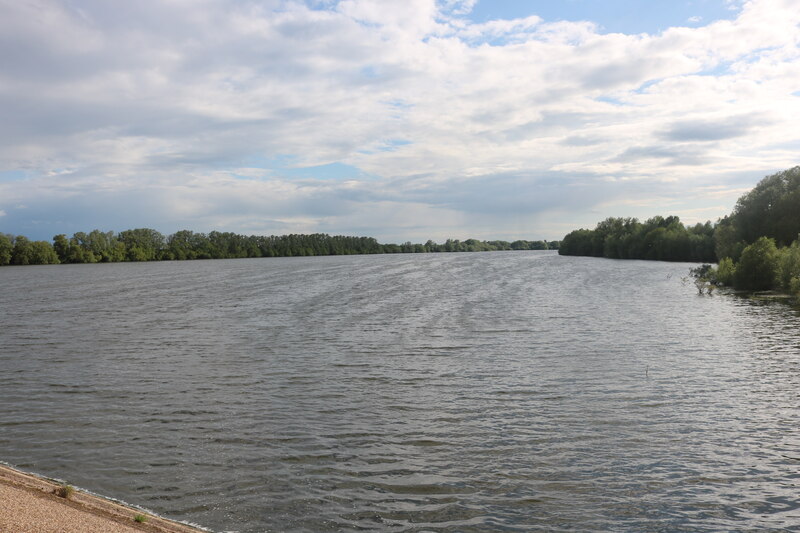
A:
441, 392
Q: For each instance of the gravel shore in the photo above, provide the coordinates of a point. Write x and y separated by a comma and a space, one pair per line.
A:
28, 504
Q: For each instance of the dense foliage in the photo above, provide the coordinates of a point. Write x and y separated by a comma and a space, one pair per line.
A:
769, 210
762, 266
658, 238
146, 244
758, 266
757, 244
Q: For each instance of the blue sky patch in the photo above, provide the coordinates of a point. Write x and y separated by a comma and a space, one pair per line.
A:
290, 166
645, 86
370, 72
276, 161
12, 175
331, 171
389, 145
287, 166
612, 16
610, 100
392, 144
721, 69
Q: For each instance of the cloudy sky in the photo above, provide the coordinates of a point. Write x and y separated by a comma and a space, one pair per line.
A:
398, 119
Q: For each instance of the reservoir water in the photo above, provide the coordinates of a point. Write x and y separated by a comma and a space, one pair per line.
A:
510, 391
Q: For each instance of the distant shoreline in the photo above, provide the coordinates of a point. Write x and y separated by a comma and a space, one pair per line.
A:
145, 244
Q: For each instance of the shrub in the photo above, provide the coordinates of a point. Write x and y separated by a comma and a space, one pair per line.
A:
726, 271
789, 265
703, 272
140, 518
64, 491
794, 287
705, 278
758, 267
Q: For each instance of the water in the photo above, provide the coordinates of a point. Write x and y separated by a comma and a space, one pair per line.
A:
514, 391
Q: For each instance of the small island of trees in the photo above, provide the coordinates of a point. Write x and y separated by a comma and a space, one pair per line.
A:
756, 246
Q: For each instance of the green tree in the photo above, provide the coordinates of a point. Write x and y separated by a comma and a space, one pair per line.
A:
61, 247
577, 242
105, 246
6, 248
142, 244
26, 252
79, 250
42, 253
726, 271
789, 265
770, 209
757, 269
22, 251
181, 245
726, 240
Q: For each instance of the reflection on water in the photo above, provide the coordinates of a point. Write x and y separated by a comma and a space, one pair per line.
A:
510, 391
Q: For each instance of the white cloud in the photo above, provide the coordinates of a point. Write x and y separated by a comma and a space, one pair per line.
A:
141, 113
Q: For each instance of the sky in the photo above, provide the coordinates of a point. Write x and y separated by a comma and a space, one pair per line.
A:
405, 120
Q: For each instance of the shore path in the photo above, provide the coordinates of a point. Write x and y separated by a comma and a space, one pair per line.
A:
28, 504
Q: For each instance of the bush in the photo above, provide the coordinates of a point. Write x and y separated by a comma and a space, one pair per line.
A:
758, 267
705, 278
64, 491
789, 265
703, 272
726, 271
794, 287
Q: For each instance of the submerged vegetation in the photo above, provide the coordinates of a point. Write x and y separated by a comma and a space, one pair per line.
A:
703, 279
145, 244
756, 246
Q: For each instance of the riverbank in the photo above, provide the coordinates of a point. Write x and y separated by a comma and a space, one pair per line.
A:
29, 504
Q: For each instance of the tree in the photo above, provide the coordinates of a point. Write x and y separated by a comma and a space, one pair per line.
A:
61, 247
726, 271
26, 252
576, 242
21, 253
789, 263
758, 267
79, 251
6, 248
181, 245
142, 244
105, 246
42, 253
770, 209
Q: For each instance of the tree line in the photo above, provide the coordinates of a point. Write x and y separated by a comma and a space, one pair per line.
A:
756, 246
145, 244
658, 238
